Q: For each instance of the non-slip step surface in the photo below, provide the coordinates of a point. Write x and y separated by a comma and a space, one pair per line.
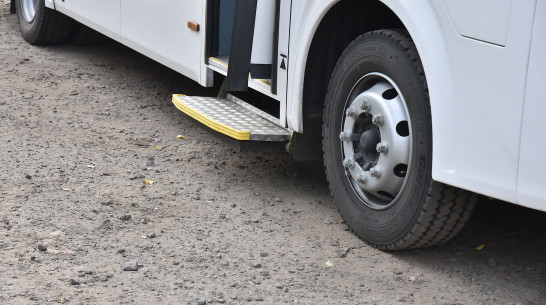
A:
230, 118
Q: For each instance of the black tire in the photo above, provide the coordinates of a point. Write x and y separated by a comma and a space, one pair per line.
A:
46, 27
422, 213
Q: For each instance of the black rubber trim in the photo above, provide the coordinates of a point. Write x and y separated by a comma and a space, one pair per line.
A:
12, 7
213, 15
275, 62
241, 45
260, 71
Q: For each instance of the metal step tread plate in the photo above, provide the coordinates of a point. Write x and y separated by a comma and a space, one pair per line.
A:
229, 117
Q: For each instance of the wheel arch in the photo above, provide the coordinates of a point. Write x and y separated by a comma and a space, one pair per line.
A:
311, 73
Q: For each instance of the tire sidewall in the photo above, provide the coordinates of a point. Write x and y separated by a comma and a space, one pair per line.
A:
378, 53
30, 30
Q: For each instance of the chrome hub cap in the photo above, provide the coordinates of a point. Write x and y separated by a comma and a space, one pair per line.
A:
376, 140
29, 9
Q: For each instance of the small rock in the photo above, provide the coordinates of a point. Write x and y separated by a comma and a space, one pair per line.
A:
277, 199
342, 253
221, 301
233, 297
264, 254
125, 217
279, 286
259, 299
109, 202
75, 281
233, 205
27, 176
151, 235
131, 265
34, 298
103, 278
120, 251
28, 97
256, 265
201, 301
42, 248
265, 273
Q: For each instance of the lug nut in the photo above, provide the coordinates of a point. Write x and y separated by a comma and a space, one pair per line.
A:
362, 178
365, 106
349, 163
381, 147
351, 112
377, 120
345, 136
375, 172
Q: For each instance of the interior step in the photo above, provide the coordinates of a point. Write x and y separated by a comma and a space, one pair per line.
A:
233, 118
220, 64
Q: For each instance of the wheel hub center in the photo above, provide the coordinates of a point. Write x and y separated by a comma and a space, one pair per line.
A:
368, 141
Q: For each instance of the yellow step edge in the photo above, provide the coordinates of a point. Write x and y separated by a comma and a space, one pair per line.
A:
221, 128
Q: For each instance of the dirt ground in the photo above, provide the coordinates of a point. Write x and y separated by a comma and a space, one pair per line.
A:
82, 128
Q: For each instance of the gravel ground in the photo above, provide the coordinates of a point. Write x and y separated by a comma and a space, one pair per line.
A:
84, 128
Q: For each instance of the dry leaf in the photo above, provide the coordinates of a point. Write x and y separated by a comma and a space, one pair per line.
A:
91, 166
480, 247
158, 147
181, 137
149, 182
329, 263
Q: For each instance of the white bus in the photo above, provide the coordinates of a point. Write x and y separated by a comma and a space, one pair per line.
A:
414, 106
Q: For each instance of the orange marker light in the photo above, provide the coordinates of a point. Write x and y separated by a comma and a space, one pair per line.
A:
193, 26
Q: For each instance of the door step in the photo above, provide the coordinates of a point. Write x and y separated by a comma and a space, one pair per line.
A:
233, 118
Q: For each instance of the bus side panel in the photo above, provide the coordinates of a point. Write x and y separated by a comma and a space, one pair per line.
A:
161, 28
104, 14
532, 164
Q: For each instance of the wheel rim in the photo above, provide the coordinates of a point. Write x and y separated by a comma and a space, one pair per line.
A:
376, 140
29, 9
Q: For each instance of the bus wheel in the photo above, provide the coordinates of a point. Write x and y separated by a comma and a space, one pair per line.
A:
41, 25
377, 142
